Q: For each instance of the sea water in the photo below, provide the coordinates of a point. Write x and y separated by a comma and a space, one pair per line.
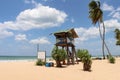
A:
20, 58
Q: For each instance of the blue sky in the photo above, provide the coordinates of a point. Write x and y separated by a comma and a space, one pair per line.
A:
25, 23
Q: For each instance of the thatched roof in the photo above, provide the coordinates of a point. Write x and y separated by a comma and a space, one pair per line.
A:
71, 33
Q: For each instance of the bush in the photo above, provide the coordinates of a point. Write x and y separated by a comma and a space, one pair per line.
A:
80, 53
40, 62
85, 58
111, 59
58, 55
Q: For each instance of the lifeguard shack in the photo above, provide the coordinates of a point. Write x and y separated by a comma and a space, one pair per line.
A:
65, 39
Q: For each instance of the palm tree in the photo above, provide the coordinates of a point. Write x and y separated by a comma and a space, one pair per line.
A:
117, 32
96, 15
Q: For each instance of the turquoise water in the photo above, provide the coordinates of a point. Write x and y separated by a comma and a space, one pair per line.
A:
19, 58
14, 58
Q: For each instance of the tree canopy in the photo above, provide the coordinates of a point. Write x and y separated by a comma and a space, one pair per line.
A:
95, 13
117, 36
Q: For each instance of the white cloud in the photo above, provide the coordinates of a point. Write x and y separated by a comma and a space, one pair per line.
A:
42, 40
107, 7
20, 37
112, 23
31, 1
39, 17
114, 13
85, 34
117, 15
118, 9
93, 32
5, 33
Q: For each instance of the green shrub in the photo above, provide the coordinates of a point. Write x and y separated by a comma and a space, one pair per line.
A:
58, 55
111, 59
40, 62
85, 58
80, 53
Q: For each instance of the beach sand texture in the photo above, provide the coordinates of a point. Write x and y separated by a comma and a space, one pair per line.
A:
101, 70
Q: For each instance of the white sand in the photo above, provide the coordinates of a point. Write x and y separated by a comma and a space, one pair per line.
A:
101, 70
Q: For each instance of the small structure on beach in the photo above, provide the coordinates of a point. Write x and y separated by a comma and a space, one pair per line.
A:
65, 39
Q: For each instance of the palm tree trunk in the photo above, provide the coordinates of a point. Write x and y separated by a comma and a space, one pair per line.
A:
58, 64
104, 39
105, 42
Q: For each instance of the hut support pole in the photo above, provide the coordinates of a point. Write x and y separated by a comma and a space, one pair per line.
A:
68, 61
73, 62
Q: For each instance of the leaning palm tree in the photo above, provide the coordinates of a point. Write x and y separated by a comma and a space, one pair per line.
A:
96, 15
117, 32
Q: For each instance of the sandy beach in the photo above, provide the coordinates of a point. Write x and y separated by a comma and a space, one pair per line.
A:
101, 70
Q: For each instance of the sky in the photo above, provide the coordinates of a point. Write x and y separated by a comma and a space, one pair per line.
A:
26, 23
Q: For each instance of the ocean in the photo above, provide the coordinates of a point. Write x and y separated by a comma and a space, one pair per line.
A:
19, 58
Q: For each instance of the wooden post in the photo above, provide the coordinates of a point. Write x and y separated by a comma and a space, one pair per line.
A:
64, 63
75, 55
73, 62
68, 61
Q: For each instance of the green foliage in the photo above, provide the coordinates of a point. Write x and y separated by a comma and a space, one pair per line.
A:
117, 36
86, 59
95, 13
58, 54
118, 42
111, 59
81, 53
40, 62
92, 5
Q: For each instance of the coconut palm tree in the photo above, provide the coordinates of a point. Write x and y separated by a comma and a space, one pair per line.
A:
96, 16
117, 32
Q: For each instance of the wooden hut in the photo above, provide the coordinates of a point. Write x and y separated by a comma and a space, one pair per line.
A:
65, 39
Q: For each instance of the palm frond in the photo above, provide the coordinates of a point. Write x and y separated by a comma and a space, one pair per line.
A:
117, 32
95, 13
92, 5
